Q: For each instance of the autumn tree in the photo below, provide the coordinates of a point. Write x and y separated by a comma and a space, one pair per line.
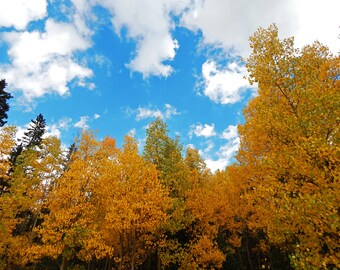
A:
289, 148
105, 208
7, 143
204, 204
165, 153
30, 182
138, 206
68, 223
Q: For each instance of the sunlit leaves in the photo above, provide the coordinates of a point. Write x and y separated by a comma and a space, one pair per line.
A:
289, 145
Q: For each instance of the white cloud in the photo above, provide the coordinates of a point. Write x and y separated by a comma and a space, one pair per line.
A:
152, 112
206, 151
224, 86
317, 20
44, 61
148, 22
169, 111
218, 164
200, 130
229, 133
19, 13
82, 123
62, 125
225, 153
143, 113
52, 130
228, 24
20, 132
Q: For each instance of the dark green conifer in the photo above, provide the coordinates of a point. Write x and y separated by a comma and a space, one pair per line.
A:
4, 107
36, 130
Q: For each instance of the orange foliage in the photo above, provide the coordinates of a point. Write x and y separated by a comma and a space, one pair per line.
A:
289, 148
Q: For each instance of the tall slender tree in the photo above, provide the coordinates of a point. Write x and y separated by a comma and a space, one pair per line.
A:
4, 107
35, 132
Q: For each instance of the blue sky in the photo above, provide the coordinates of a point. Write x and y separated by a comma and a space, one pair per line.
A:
116, 65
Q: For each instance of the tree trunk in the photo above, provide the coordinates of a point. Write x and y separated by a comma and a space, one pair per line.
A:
158, 262
133, 241
240, 259
34, 224
108, 264
120, 251
63, 265
248, 254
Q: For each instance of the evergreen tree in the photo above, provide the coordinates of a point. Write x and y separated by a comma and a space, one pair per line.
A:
71, 150
32, 137
4, 97
34, 134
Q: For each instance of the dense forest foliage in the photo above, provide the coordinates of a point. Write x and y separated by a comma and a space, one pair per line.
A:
97, 206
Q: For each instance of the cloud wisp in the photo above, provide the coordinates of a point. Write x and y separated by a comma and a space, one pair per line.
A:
200, 130
142, 113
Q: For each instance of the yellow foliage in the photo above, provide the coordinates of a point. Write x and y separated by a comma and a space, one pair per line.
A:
289, 148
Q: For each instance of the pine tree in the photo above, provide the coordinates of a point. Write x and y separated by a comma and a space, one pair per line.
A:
68, 159
34, 134
4, 107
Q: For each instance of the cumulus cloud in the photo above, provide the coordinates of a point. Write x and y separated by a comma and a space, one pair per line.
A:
44, 60
149, 23
200, 130
228, 24
19, 13
226, 85
152, 112
310, 26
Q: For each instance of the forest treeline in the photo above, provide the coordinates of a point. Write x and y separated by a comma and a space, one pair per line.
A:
97, 206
